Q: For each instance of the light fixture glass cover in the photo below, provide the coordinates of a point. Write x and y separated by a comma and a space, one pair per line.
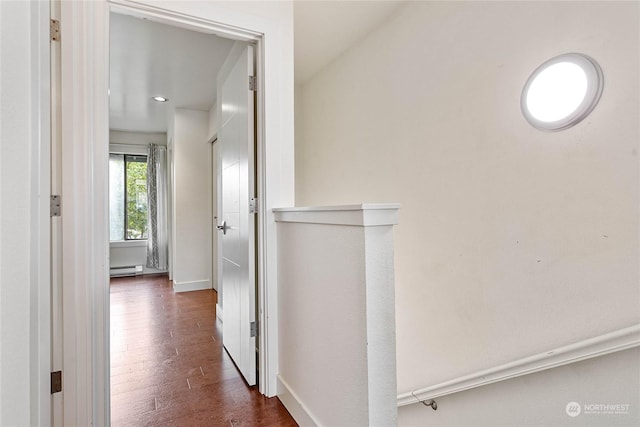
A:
562, 92
160, 99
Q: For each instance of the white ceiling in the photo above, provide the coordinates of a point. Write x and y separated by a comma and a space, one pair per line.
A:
149, 59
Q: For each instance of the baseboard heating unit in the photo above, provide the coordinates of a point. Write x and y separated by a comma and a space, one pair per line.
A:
127, 270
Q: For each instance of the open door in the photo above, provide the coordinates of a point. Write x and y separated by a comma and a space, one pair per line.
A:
237, 224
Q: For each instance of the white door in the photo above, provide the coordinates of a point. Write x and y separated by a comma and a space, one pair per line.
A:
237, 223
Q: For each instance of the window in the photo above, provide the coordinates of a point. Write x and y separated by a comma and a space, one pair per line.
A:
562, 92
127, 197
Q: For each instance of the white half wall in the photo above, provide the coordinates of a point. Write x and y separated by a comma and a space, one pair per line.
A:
337, 320
192, 200
512, 241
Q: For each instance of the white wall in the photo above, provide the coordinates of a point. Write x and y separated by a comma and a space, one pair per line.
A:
125, 254
511, 240
541, 399
15, 187
192, 200
25, 316
299, 123
137, 138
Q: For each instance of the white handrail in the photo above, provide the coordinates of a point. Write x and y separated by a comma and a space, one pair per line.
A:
621, 339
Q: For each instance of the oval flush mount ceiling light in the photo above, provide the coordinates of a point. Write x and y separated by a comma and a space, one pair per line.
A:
562, 92
160, 99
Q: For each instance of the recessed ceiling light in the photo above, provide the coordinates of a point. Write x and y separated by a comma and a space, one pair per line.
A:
160, 99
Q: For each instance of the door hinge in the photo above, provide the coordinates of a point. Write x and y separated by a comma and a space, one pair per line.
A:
252, 83
54, 205
56, 382
254, 329
253, 205
54, 30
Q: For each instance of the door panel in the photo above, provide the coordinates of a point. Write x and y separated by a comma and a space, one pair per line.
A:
236, 137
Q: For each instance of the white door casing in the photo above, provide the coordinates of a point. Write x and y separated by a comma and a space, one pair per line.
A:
84, 130
236, 135
56, 223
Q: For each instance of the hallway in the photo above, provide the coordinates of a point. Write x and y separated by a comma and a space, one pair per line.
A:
168, 365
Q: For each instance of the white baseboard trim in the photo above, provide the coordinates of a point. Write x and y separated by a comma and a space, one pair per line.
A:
126, 270
611, 342
294, 405
196, 285
219, 312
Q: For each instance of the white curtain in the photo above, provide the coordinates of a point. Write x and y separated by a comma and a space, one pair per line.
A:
157, 246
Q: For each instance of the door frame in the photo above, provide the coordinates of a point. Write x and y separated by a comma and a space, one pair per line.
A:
40, 337
85, 70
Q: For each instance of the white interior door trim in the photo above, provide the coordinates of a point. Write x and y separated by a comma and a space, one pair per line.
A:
40, 330
85, 244
85, 66
182, 20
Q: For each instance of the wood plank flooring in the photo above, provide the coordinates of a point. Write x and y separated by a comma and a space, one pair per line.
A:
168, 366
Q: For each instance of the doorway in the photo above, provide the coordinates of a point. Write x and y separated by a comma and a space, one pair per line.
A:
85, 220
163, 91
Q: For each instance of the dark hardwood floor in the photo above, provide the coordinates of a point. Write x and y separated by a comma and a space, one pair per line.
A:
168, 366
